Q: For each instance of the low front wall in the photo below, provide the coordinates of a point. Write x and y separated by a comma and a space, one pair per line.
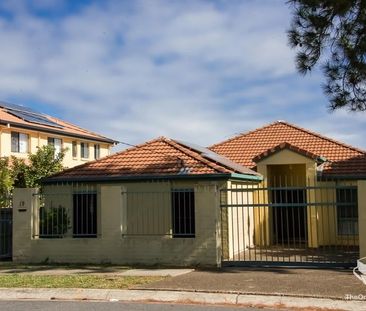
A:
110, 246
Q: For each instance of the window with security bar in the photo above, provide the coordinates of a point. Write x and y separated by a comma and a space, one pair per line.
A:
347, 211
85, 215
183, 213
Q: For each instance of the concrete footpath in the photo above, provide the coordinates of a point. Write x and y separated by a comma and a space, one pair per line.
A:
270, 301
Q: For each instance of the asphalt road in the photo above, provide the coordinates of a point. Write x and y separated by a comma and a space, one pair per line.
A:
108, 306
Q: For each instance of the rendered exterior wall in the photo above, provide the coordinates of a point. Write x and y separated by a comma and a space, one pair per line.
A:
239, 228
38, 139
111, 246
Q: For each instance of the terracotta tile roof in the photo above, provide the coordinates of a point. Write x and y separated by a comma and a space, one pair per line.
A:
161, 156
248, 147
65, 128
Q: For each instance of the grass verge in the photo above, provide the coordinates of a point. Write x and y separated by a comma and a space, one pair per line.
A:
6, 265
74, 281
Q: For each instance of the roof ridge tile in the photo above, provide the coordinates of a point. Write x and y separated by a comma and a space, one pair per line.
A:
242, 134
293, 126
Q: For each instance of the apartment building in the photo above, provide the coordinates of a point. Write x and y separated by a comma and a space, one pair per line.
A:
23, 129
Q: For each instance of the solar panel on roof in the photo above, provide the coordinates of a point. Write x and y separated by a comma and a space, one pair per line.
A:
28, 114
15, 107
34, 118
208, 154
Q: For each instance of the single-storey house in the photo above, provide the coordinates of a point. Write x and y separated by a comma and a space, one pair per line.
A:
156, 203
277, 195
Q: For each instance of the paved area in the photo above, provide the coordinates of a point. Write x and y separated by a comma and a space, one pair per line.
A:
259, 301
156, 272
93, 270
276, 281
282, 253
110, 306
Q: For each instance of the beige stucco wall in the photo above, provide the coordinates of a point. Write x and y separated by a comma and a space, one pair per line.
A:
287, 157
38, 139
238, 221
111, 245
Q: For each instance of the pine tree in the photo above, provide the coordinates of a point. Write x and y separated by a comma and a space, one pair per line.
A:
332, 34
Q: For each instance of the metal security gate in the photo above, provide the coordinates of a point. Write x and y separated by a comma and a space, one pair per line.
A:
289, 224
6, 228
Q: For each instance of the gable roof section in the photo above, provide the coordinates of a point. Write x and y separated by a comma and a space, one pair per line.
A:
158, 157
7, 116
283, 146
248, 147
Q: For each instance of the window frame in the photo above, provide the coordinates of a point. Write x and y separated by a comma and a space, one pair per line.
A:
74, 149
347, 225
96, 151
84, 147
51, 141
19, 141
183, 213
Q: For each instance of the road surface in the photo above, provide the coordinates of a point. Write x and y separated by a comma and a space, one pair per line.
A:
110, 306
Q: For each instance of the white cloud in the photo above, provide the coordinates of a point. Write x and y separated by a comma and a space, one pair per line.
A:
195, 70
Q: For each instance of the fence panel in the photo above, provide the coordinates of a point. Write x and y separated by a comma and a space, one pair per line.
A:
6, 227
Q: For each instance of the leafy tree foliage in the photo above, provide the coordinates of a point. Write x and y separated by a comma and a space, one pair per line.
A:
333, 33
18, 171
54, 222
42, 164
6, 182
29, 173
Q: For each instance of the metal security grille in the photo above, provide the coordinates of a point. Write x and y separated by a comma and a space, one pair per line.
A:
159, 213
85, 214
53, 221
289, 224
66, 210
183, 213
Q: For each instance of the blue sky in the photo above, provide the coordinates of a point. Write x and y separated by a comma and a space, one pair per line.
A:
200, 71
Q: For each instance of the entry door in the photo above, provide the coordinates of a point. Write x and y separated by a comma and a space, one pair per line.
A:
289, 216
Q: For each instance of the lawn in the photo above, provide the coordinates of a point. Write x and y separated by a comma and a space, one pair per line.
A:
8, 265
74, 281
